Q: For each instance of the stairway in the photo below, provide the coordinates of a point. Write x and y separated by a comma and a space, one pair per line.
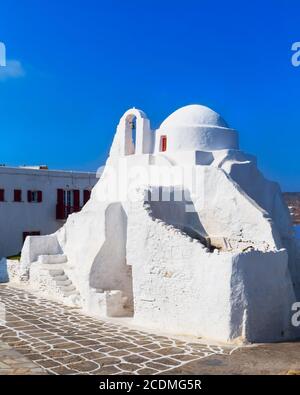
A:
48, 275
63, 282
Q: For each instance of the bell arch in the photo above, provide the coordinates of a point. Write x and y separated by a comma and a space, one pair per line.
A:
130, 134
136, 133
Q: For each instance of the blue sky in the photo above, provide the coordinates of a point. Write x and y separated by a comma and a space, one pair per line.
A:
77, 65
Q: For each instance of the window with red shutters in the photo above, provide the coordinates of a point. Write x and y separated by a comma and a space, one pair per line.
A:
163, 143
86, 196
68, 202
2, 195
34, 196
17, 195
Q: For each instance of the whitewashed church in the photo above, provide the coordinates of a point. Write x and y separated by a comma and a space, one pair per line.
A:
182, 233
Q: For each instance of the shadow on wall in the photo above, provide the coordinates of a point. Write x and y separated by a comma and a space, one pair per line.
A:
109, 270
174, 207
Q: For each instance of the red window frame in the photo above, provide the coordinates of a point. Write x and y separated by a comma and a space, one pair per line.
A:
68, 202
60, 206
39, 196
17, 195
163, 143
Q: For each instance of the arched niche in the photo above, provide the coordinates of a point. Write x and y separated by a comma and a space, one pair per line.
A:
135, 128
130, 134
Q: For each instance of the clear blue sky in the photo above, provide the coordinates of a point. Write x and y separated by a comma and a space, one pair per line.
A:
80, 64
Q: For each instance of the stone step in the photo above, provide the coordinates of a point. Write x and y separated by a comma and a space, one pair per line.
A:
52, 266
62, 283
63, 277
67, 288
69, 293
56, 272
52, 259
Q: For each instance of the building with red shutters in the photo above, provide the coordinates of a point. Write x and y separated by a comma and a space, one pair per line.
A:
36, 201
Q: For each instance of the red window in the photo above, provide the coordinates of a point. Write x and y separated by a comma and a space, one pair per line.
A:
34, 233
68, 202
35, 196
2, 195
86, 196
39, 196
29, 196
163, 143
17, 195
60, 196
60, 206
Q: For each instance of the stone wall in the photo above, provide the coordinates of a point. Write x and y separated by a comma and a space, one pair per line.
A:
181, 287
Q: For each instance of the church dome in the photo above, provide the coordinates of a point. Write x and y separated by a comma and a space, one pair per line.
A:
194, 115
195, 128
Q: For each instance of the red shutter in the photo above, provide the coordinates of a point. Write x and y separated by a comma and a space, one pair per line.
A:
60, 211
17, 195
2, 195
76, 195
60, 196
29, 196
60, 208
40, 196
86, 196
163, 143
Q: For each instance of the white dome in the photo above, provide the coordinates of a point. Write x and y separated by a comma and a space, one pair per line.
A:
196, 128
194, 115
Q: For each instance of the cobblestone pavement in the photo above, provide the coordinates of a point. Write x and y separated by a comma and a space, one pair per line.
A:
256, 359
63, 341
12, 362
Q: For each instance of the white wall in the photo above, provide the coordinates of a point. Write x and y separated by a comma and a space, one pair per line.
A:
19, 217
180, 287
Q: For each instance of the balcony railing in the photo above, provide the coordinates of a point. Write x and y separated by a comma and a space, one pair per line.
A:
63, 211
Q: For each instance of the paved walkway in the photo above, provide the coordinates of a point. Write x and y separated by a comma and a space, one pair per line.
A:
14, 363
62, 341
263, 359
40, 336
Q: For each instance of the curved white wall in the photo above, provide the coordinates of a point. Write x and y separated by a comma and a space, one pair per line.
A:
197, 138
